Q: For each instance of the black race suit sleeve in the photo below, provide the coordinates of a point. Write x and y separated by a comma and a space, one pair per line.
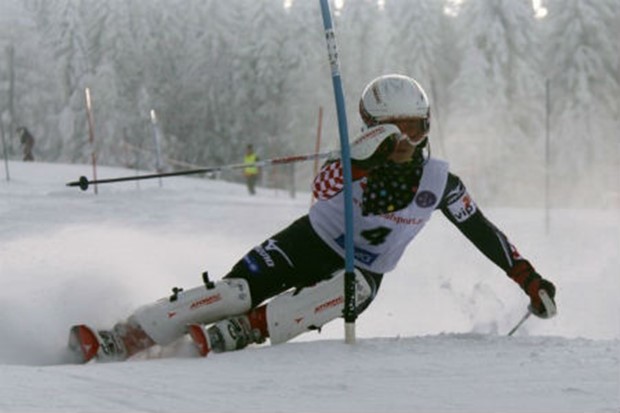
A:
458, 206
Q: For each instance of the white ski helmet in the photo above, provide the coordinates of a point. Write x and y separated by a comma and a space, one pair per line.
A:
393, 97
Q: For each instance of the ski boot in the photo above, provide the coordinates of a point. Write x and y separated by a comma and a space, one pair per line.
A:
87, 344
118, 344
233, 333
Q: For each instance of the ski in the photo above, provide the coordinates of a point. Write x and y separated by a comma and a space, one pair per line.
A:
87, 344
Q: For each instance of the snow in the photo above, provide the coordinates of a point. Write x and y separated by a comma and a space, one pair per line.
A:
434, 339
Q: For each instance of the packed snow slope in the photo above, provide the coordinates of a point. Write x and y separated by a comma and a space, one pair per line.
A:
434, 340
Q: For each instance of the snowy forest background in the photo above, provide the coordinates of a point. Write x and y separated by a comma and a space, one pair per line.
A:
221, 74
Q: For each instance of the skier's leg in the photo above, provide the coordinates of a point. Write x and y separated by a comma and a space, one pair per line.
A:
284, 261
295, 258
296, 312
161, 322
166, 319
292, 258
287, 315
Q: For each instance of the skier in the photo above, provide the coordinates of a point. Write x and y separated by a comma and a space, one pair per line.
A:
293, 281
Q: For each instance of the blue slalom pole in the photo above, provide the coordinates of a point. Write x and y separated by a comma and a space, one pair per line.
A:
349, 277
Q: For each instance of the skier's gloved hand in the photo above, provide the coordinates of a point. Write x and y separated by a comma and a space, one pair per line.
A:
373, 147
540, 291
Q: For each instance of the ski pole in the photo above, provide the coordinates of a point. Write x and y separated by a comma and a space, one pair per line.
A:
550, 310
83, 182
515, 328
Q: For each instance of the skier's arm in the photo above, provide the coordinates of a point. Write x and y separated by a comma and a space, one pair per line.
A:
458, 206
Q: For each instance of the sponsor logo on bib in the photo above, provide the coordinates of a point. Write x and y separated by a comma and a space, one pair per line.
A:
360, 254
425, 199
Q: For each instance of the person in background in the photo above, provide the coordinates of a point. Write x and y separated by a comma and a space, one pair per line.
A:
251, 171
27, 141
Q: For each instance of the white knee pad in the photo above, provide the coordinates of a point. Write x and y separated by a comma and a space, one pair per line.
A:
166, 319
291, 314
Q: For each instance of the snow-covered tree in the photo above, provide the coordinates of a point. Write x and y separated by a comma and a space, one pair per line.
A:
28, 96
222, 74
495, 113
583, 71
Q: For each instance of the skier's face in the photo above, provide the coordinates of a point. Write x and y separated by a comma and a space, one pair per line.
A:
403, 152
413, 130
